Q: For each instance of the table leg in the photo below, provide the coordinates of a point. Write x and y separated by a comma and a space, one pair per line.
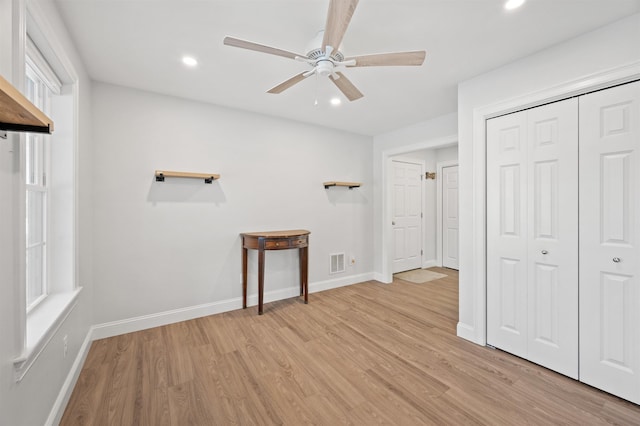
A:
260, 275
244, 278
301, 264
305, 274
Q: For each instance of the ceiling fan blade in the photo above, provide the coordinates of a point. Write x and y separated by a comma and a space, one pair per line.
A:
389, 59
286, 84
338, 18
346, 87
235, 42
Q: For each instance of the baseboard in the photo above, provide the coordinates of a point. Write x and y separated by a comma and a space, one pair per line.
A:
381, 278
129, 325
429, 263
340, 282
55, 415
466, 332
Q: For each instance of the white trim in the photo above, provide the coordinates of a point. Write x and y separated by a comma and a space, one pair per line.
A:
430, 263
467, 332
439, 166
144, 322
44, 320
41, 67
55, 415
386, 276
477, 332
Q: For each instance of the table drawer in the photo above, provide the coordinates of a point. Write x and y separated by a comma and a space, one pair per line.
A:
299, 242
277, 244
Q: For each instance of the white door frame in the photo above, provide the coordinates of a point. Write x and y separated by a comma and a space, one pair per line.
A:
386, 276
439, 166
476, 271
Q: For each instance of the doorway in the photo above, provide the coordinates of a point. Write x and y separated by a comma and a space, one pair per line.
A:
430, 154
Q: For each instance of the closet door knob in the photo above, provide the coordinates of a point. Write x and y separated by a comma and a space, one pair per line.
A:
616, 260
393, 222
544, 252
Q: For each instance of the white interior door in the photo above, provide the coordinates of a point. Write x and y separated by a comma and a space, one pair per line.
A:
609, 240
532, 235
450, 217
552, 236
407, 215
507, 233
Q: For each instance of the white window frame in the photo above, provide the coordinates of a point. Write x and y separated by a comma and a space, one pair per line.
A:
37, 165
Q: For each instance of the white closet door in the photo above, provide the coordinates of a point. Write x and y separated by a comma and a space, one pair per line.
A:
407, 211
450, 217
552, 236
609, 240
532, 235
507, 233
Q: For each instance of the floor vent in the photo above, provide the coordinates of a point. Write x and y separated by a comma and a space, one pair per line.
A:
336, 263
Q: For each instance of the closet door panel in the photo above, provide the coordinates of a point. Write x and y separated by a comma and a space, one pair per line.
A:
506, 233
609, 240
552, 236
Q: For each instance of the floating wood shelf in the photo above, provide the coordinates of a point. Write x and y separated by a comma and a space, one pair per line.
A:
17, 113
208, 177
351, 185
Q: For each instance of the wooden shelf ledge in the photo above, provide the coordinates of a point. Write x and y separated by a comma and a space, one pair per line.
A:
17, 113
351, 185
208, 177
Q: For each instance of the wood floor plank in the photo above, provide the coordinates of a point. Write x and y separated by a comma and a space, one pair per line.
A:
365, 354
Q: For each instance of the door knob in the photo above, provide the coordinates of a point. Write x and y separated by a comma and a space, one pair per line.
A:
544, 252
616, 260
393, 222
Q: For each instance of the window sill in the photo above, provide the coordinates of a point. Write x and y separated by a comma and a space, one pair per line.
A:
42, 323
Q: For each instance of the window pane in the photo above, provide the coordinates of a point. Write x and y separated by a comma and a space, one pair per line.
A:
31, 159
35, 217
35, 276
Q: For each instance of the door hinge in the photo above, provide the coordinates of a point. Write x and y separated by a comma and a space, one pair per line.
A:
421, 215
421, 253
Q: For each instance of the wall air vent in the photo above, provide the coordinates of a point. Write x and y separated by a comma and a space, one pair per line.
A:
336, 263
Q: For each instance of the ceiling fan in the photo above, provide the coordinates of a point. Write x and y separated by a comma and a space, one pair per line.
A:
325, 57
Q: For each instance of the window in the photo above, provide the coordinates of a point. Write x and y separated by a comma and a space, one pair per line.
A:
48, 211
41, 85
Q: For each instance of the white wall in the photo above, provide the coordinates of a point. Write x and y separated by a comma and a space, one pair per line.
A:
570, 64
441, 131
175, 245
31, 401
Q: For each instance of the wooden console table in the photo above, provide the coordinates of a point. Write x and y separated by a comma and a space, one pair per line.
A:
275, 240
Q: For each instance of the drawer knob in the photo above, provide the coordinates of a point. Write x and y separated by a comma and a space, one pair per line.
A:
616, 260
544, 252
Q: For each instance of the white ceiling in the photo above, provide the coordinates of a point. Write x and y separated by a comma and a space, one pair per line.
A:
139, 43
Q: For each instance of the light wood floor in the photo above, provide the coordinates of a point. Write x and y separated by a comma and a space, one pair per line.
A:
365, 354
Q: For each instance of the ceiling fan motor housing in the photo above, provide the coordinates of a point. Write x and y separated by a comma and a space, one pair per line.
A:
324, 67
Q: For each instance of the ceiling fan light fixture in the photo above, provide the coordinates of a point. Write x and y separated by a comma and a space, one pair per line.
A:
513, 4
324, 68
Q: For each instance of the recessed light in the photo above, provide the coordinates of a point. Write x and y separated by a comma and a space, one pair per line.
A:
513, 4
335, 101
189, 61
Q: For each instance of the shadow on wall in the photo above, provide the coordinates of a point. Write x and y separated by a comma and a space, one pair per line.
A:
344, 195
186, 190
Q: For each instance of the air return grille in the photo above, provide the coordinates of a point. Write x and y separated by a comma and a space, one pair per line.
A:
336, 263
